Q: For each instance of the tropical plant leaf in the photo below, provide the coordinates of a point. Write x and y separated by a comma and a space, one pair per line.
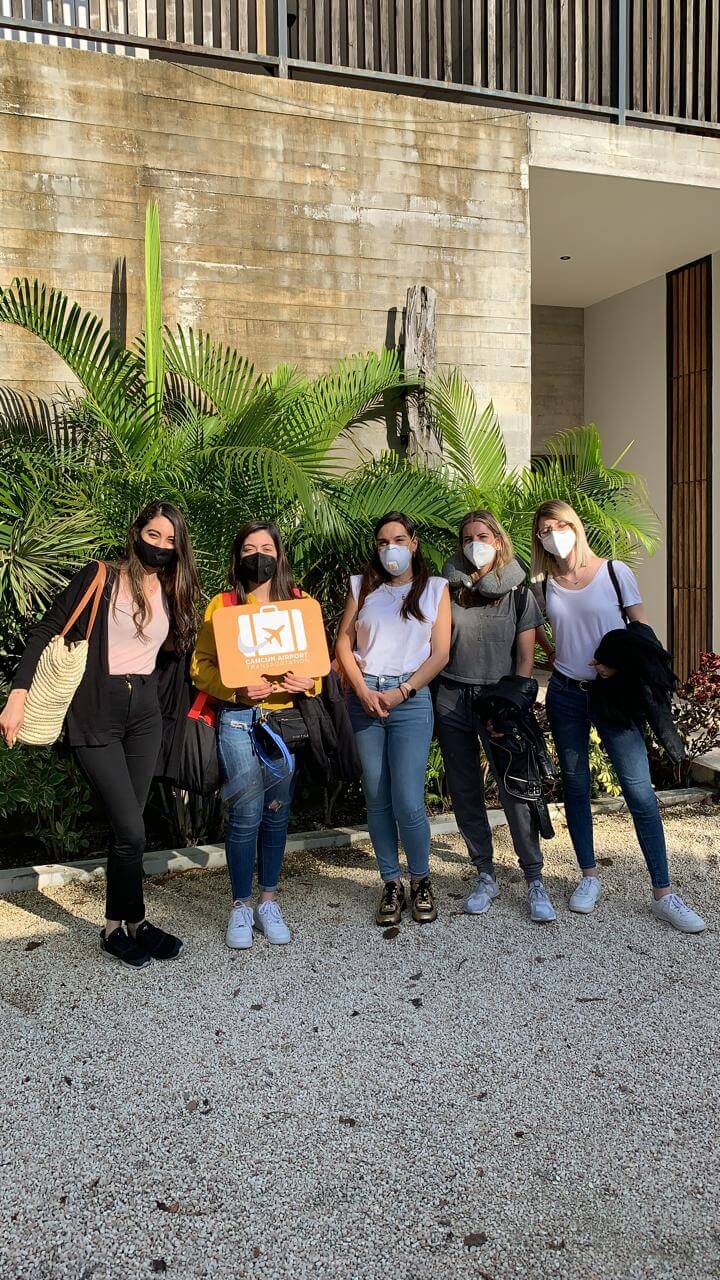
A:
154, 355
471, 439
102, 367
221, 373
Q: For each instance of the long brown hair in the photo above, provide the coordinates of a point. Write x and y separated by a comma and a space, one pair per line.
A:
282, 585
375, 574
180, 582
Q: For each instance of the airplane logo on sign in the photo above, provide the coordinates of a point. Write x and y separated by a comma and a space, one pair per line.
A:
271, 634
274, 633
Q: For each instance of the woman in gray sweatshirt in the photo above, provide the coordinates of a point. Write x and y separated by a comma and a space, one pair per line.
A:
494, 618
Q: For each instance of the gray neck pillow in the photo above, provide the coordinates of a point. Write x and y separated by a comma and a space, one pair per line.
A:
492, 585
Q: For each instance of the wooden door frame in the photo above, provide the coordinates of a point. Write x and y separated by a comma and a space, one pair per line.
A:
706, 258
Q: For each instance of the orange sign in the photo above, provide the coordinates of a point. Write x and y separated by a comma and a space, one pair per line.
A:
254, 640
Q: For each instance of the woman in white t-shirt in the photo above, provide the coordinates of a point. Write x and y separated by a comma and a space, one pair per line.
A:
582, 605
394, 638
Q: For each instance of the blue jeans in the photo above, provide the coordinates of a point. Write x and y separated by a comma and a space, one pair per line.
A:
259, 809
570, 717
394, 754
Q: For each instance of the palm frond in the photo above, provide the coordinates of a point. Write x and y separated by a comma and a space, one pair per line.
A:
472, 442
102, 367
227, 378
154, 356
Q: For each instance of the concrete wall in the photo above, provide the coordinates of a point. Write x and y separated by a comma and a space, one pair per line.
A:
625, 394
582, 144
294, 216
558, 377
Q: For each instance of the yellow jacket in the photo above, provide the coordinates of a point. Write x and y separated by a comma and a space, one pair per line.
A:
206, 676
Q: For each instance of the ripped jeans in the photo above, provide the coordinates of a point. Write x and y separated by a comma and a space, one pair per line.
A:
259, 809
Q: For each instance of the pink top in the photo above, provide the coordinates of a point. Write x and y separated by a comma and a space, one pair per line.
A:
130, 653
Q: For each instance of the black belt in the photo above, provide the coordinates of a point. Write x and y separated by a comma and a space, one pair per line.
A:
568, 682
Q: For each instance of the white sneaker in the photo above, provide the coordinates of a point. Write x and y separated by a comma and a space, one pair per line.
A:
239, 931
541, 908
269, 920
586, 896
674, 911
482, 895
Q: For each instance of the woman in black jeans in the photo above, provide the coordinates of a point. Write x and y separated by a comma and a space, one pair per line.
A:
493, 635
114, 723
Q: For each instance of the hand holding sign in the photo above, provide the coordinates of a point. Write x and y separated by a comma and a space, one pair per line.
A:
285, 638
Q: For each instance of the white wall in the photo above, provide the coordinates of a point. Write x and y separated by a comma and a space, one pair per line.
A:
625, 394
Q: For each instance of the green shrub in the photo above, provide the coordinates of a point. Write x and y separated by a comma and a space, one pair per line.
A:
43, 794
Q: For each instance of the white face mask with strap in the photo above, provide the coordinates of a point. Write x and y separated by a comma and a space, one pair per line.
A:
559, 542
480, 553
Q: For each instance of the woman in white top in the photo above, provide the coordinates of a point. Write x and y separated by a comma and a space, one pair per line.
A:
582, 606
394, 638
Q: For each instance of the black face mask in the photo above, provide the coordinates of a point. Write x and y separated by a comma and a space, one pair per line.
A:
256, 568
154, 557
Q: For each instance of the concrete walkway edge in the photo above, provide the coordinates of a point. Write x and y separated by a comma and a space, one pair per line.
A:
207, 856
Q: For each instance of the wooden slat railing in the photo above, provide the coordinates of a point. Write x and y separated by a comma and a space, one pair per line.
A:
215, 26
545, 49
650, 60
675, 62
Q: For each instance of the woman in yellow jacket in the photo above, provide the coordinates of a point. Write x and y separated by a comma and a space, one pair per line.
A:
259, 807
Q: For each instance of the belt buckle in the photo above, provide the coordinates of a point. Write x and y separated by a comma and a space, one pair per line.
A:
584, 685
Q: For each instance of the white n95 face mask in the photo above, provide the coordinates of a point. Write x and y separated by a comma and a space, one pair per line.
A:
481, 553
395, 559
559, 543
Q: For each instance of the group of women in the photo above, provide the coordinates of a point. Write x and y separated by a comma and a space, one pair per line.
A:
404, 632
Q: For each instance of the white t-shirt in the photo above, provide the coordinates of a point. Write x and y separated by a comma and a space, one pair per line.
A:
387, 644
580, 619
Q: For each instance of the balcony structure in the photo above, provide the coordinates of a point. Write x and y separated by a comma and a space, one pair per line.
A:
644, 62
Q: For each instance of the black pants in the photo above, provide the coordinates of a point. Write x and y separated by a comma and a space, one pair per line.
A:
458, 730
120, 773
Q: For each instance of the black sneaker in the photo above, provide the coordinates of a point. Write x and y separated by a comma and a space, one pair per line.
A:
424, 910
392, 903
124, 948
156, 942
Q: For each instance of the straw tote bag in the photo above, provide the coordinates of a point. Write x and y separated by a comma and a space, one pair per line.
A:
58, 673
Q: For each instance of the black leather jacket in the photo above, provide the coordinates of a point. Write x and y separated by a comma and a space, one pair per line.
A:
641, 691
516, 744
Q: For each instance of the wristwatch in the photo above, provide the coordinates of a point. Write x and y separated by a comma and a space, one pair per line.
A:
410, 691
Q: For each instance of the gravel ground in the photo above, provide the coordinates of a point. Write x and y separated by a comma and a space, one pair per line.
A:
478, 1098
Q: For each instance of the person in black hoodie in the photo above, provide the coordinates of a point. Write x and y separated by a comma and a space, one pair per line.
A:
114, 723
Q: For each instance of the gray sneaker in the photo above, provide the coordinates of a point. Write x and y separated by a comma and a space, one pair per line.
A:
483, 894
674, 911
541, 908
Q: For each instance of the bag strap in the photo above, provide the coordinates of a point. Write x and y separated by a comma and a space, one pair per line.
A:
621, 603
96, 588
520, 600
256, 731
204, 708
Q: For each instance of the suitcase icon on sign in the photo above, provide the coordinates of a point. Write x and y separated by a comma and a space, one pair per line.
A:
271, 632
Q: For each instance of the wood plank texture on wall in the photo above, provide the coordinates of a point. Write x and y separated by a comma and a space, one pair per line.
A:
294, 216
689, 478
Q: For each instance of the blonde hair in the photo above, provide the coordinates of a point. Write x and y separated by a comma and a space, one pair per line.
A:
544, 564
506, 552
